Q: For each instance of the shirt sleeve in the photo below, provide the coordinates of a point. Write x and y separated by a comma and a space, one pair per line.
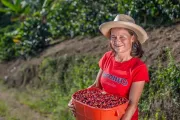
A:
140, 74
103, 60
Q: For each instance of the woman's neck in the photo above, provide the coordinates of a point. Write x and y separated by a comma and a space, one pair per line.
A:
122, 57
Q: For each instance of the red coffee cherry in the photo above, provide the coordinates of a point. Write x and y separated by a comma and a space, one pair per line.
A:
96, 98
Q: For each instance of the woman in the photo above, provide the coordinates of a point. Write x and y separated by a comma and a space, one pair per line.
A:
121, 70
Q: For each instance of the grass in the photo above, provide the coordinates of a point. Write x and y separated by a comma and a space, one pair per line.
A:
4, 111
21, 104
3, 108
36, 100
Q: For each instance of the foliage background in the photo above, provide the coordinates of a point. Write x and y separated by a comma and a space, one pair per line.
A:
29, 27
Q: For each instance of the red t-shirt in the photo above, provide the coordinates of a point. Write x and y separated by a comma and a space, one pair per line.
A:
117, 77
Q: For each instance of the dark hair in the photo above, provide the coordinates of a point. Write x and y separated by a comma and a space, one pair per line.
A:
136, 50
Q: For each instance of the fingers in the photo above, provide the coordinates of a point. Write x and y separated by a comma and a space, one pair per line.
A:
72, 108
73, 112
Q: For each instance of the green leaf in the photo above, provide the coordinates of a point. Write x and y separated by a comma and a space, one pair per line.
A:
18, 6
45, 3
27, 10
9, 5
18, 2
4, 10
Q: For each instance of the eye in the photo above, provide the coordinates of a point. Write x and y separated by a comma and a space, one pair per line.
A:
113, 38
122, 38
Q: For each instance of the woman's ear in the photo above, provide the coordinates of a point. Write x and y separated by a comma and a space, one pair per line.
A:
133, 38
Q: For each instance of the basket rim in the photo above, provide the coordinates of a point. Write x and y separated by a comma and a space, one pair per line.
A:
73, 99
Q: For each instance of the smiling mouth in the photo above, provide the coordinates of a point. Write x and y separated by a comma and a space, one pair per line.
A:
118, 45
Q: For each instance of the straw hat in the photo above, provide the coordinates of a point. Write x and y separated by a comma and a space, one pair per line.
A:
124, 21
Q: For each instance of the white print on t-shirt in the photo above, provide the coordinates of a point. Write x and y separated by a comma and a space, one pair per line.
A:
122, 81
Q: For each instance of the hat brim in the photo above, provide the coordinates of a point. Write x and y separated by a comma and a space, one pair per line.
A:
140, 32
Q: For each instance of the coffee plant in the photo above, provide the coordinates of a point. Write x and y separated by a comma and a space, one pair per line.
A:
69, 18
34, 34
155, 12
80, 17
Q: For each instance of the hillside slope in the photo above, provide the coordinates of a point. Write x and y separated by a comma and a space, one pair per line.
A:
159, 39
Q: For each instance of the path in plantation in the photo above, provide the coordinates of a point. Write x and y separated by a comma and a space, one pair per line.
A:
16, 109
2, 118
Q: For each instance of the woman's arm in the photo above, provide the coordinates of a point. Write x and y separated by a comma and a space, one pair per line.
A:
134, 96
97, 82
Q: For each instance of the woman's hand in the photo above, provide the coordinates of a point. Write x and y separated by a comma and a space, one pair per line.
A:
92, 86
72, 108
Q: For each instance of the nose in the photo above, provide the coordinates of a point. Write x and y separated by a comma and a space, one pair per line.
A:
118, 39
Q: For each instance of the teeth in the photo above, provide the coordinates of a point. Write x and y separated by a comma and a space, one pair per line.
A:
117, 45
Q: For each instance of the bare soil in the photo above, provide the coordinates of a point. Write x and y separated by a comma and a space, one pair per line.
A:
159, 39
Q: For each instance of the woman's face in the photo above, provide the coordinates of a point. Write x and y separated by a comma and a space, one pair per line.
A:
121, 40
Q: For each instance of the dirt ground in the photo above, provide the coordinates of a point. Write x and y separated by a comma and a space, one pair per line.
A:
159, 39
16, 109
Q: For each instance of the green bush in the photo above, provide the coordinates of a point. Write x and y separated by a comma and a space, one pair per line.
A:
155, 12
161, 95
27, 40
31, 34
63, 76
7, 46
34, 35
70, 18
80, 17
83, 17
8, 52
